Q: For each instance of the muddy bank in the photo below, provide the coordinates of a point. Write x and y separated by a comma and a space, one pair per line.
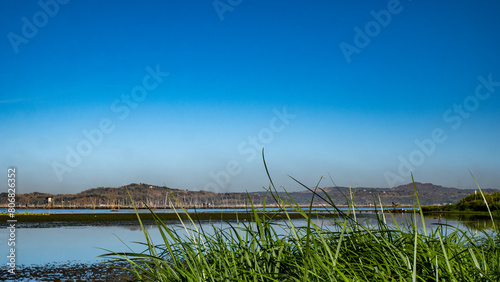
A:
104, 218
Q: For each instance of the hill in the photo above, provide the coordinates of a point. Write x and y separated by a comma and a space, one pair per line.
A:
164, 197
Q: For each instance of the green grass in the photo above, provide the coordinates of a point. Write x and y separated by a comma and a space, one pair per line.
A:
255, 250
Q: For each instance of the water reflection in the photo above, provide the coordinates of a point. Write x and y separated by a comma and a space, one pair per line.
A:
138, 227
473, 222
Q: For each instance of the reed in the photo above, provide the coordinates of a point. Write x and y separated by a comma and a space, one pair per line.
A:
267, 249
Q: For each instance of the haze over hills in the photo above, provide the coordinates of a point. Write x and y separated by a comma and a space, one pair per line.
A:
162, 197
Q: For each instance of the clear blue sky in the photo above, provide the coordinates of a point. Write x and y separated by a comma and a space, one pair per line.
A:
186, 93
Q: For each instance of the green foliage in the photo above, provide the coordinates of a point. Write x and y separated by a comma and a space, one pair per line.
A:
476, 202
473, 202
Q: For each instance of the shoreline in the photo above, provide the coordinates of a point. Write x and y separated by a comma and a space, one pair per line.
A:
115, 217
218, 207
200, 216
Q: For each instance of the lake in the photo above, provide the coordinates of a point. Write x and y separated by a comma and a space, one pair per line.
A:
81, 244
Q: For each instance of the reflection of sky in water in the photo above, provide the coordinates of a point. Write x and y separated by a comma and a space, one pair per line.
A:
82, 243
44, 245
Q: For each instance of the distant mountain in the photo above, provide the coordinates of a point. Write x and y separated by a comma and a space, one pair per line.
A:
429, 194
161, 197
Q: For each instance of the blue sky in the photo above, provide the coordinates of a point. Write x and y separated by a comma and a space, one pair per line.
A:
186, 93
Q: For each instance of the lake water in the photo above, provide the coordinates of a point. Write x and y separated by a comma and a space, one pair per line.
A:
81, 244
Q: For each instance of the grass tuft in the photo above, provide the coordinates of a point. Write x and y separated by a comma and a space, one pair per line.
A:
314, 248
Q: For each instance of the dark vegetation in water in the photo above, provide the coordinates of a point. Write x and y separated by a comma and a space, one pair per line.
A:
114, 218
106, 272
